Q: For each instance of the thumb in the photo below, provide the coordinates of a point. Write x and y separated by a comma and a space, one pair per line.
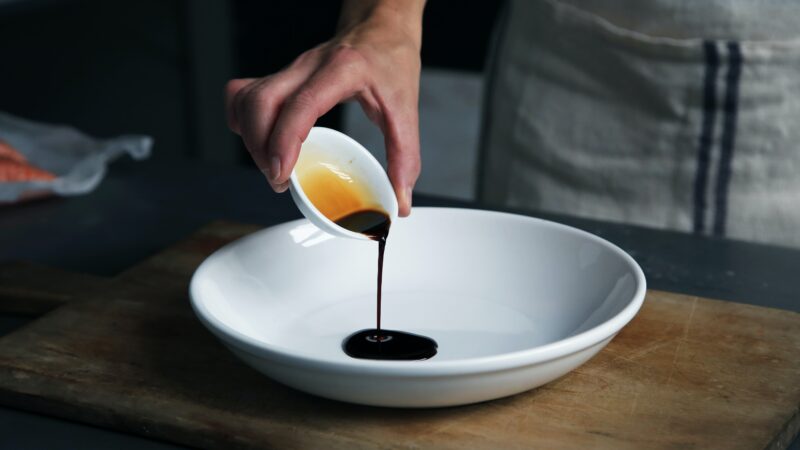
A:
401, 138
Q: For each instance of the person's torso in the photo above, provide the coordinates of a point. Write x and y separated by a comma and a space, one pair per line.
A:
672, 114
707, 19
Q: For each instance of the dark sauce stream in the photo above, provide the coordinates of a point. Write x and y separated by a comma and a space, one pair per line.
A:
377, 343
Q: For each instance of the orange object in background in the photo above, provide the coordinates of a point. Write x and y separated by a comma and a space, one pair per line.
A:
14, 166
9, 152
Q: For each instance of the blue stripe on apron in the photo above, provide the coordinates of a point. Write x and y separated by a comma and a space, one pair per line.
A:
727, 139
706, 133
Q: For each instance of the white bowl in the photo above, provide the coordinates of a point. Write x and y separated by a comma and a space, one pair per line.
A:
513, 302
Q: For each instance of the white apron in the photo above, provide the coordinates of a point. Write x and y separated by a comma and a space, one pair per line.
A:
675, 114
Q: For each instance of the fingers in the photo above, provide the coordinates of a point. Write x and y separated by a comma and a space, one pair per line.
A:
257, 109
401, 138
340, 78
232, 88
281, 187
274, 115
404, 168
253, 107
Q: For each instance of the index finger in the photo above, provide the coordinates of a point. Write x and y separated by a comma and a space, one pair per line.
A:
335, 82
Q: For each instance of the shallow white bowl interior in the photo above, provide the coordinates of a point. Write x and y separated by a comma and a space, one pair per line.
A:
498, 292
327, 146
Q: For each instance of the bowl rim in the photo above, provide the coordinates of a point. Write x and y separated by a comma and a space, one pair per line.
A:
503, 361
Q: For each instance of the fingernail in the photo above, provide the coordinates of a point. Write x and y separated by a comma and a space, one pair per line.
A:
274, 168
409, 196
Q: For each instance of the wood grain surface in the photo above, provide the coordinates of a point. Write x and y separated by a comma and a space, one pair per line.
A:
29, 289
129, 354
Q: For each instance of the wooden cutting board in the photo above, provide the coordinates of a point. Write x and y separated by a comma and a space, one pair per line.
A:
127, 353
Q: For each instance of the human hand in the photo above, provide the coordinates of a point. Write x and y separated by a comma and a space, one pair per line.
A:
374, 59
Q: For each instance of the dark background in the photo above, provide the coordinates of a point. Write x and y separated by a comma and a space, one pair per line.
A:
158, 67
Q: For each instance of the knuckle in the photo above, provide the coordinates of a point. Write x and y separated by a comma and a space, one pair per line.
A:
232, 87
304, 99
409, 165
349, 57
416, 165
305, 57
406, 161
241, 100
414, 168
232, 122
262, 98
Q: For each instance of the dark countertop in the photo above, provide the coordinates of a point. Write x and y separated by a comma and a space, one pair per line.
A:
143, 207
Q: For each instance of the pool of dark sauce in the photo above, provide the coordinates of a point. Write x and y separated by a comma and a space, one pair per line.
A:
378, 343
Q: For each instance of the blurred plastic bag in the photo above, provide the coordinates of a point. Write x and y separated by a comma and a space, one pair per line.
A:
77, 160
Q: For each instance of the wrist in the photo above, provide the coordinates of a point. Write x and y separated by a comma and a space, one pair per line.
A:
382, 19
